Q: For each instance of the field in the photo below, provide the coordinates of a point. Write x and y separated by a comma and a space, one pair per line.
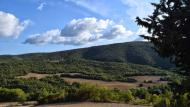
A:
81, 104
111, 84
36, 75
88, 104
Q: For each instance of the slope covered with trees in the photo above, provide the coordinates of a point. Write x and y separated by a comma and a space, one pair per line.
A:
116, 62
130, 52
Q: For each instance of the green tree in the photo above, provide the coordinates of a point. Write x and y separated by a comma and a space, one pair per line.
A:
12, 95
155, 99
127, 96
183, 101
54, 97
164, 102
168, 27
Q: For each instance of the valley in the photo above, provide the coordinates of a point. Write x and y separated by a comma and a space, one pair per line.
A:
94, 53
131, 74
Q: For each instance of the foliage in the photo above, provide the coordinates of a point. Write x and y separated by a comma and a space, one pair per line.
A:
12, 95
164, 102
54, 89
130, 52
82, 63
53, 98
88, 69
169, 29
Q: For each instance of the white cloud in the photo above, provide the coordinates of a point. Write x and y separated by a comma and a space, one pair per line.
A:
10, 26
96, 7
140, 8
91, 25
142, 31
81, 31
41, 6
46, 37
117, 30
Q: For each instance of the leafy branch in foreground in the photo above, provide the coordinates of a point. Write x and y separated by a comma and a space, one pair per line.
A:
169, 28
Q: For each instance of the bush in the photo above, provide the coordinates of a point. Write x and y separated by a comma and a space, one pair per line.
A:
155, 99
164, 102
141, 85
165, 79
94, 93
12, 95
89, 92
131, 80
148, 81
182, 101
127, 96
140, 93
54, 98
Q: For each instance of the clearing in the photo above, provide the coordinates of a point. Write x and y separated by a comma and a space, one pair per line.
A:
112, 84
90, 104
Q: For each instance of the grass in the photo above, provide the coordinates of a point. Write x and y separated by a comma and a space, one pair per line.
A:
111, 84
90, 104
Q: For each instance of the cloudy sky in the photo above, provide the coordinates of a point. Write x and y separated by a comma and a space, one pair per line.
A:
53, 25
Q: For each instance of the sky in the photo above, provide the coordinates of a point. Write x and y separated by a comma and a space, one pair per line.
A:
28, 26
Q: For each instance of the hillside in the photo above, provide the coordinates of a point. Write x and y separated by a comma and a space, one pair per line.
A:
122, 72
129, 52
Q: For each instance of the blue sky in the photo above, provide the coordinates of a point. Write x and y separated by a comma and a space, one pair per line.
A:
28, 26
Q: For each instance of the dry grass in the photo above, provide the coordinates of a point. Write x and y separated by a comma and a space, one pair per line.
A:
112, 84
35, 75
90, 104
18, 104
143, 78
121, 85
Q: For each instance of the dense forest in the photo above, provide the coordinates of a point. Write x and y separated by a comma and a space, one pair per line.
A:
130, 52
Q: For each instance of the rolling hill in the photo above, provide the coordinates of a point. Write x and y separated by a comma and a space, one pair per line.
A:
130, 52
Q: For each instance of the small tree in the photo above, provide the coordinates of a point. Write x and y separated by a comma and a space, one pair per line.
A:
164, 102
12, 95
168, 27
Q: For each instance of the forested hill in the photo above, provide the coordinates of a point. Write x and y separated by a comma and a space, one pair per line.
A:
129, 52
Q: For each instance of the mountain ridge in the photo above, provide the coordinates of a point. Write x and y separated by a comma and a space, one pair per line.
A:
129, 52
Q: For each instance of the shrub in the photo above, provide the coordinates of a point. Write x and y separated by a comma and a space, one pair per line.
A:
182, 101
12, 95
54, 98
140, 93
164, 102
127, 96
141, 85
94, 93
148, 81
155, 99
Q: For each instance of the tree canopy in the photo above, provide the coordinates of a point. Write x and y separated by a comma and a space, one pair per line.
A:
169, 29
